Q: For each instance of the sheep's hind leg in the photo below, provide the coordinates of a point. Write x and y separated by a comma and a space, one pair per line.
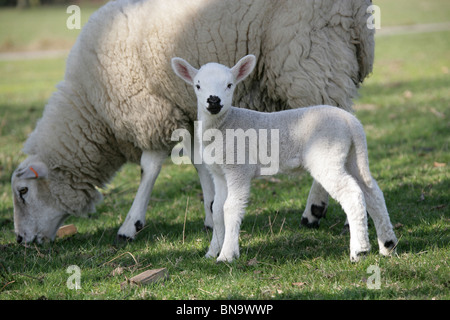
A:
316, 206
151, 162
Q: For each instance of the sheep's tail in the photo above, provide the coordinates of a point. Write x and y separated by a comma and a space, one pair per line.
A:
360, 146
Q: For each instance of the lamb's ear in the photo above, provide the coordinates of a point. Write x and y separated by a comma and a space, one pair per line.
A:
36, 170
184, 70
243, 68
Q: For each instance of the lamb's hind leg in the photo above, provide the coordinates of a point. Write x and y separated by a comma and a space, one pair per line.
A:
344, 188
316, 206
151, 162
376, 206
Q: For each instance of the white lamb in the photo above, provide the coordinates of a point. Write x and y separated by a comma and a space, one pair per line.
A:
119, 100
326, 141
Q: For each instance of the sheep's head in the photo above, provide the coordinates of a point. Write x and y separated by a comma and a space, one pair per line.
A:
36, 215
214, 83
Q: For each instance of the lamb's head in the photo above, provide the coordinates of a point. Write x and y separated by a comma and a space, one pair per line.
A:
214, 83
36, 214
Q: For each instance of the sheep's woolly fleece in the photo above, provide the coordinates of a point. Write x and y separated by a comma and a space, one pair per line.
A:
120, 96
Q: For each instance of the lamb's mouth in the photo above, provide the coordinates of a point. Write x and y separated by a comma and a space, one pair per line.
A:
214, 109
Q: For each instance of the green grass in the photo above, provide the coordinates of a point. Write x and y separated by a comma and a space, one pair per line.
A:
409, 12
39, 28
404, 107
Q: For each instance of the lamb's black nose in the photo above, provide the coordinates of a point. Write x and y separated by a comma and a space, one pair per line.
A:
19, 238
212, 100
214, 104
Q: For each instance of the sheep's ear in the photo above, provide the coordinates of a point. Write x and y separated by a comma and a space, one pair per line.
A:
184, 70
36, 170
243, 68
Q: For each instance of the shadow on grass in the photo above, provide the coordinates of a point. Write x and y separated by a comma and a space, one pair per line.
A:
422, 85
419, 221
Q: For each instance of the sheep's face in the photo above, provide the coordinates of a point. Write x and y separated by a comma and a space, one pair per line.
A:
36, 216
214, 83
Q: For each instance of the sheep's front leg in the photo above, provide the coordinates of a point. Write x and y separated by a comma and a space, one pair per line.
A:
217, 216
208, 194
151, 162
316, 206
234, 210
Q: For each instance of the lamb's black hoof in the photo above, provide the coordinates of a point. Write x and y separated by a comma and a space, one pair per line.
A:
312, 225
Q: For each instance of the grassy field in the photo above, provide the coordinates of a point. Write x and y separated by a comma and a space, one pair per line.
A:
404, 107
39, 28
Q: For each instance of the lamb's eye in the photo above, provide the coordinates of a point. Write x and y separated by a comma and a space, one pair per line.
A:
229, 85
197, 86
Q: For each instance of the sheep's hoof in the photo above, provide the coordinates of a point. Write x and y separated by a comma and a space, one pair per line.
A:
319, 211
312, 225
389, 248
122, 240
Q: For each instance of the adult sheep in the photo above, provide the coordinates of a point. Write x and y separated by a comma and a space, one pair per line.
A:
120, 101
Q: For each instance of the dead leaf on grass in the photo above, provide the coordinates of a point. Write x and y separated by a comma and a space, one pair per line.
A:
439, 207
439, 164
299, 284
398, 226
437, 113
407, 94
252, 262
117, 271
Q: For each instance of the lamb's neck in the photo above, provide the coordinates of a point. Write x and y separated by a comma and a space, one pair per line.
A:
209, 121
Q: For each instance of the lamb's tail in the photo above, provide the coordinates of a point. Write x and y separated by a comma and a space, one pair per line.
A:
360, 146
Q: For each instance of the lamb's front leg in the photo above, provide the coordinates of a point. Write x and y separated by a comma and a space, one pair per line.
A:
234, 210
220, 196
151, 162
207, 183
316, 206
